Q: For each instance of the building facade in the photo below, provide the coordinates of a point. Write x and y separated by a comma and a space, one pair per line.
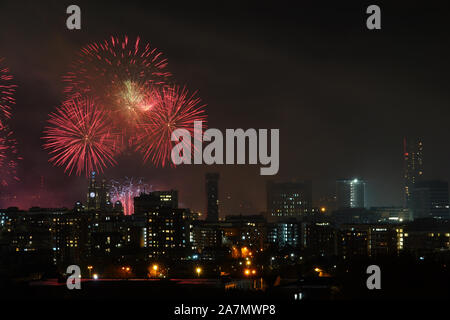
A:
287, 200
430, 199
350, 193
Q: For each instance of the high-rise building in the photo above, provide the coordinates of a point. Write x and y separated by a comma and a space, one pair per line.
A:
166, 227
350, 193
98, 197
412, 167
288, 200
212, 197
165, 231
430, 199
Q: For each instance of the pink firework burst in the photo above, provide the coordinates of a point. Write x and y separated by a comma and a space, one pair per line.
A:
80, 137
125, 190
7, 90
173, 109
9, 157
122, 73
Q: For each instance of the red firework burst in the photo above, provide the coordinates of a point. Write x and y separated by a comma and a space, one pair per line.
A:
7, 90
173, 109
80, 137
9, 157
120, 73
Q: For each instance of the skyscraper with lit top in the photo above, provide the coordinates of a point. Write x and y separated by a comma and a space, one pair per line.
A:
350, 193
412, 167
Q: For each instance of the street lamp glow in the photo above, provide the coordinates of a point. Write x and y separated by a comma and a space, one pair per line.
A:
95, 276
155, 267
198, 270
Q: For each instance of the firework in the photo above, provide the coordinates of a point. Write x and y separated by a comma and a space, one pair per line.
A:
174, 109
9, 157
80, 137
122, 73
125, 191
7, 90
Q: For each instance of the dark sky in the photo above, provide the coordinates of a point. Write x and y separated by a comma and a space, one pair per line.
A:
341, 95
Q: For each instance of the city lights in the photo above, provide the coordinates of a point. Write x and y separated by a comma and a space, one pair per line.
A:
110, 149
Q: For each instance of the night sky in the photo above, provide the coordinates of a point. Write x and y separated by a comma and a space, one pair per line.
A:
342, 96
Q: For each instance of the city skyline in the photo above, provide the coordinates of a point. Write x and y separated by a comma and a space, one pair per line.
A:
224, 206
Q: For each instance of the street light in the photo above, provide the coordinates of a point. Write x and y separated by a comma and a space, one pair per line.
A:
154, 270
198, 270
90, 271
127, 271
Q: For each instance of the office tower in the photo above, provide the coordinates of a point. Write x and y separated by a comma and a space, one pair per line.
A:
412, 167
288, 200
165, 231
350, 193
430, 199
212, 197
98, 197
166, 227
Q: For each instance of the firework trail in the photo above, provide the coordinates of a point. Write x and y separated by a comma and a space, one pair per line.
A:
125, 191
7, 90
174, 109
9, 157
80, 137
122, 73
